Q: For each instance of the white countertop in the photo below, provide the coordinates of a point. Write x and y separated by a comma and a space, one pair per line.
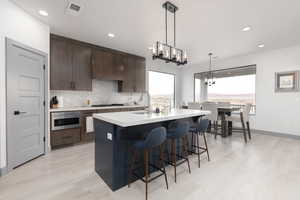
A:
133, 118
79, 108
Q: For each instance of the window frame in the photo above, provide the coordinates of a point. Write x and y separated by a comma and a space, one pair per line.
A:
228, 69
173, 74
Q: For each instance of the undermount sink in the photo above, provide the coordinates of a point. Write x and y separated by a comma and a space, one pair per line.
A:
141, 113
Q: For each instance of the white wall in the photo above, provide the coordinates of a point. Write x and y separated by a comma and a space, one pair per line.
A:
19, 26
277, 112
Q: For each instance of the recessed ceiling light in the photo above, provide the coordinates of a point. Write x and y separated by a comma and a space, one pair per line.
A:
43, 13
111, 35
261, 45
247, 28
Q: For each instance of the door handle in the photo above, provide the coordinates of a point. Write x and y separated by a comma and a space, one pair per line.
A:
17, 112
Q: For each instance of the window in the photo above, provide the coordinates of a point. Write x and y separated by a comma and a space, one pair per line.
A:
235, 85
236, 90
162, 89
197, 89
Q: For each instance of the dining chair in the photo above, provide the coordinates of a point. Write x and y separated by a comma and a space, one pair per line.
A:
243, 119
213, 117
194, 106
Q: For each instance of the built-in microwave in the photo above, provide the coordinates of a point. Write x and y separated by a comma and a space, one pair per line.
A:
65, 120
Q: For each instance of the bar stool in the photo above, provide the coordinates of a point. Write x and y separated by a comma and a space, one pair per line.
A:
198, 129
154, 139
178, 131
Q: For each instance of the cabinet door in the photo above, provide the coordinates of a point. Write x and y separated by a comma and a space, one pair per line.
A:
120, 62
64, 137
140, 75
128, 84
82, 67
60, 65
102, 65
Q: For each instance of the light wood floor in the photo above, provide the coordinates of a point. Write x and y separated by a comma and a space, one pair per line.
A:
267, 168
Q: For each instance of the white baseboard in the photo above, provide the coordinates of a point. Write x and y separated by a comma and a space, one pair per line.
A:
286, 135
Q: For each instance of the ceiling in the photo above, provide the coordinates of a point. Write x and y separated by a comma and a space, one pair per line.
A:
202, 25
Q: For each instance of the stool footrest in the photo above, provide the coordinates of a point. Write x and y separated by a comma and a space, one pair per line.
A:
153, 178
201, 152
178, 162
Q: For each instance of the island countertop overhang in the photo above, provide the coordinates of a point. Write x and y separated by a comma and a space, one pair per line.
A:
134, 118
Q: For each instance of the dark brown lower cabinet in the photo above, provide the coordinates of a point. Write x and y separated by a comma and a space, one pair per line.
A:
65, 137
72, 136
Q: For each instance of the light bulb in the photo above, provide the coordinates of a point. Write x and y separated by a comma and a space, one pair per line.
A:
161, 48
167, 53
174, 53
178, 57
154, 50
185, 56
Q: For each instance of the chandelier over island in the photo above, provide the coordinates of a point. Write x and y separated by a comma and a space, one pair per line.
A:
209, 80
165, 51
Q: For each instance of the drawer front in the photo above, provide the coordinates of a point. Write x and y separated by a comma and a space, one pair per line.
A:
65, 137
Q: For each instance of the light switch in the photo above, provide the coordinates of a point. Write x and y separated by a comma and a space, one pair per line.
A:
109, 136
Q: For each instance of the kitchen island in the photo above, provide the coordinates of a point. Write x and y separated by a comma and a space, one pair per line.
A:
114, 133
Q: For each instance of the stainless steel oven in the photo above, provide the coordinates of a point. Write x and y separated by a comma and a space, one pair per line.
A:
64, 120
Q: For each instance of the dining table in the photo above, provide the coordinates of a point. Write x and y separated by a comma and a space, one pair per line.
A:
226, 127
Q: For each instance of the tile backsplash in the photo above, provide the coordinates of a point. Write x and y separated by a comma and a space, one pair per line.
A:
104, 92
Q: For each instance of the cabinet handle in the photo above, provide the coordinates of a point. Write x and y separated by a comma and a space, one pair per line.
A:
74, 85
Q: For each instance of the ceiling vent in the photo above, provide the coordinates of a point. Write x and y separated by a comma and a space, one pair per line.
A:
74, 8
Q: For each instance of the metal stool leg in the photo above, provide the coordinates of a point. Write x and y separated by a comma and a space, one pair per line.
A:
174, 157
186, 146
198, 150
205, 142
162, 163
146, 171
249, 132
131, 166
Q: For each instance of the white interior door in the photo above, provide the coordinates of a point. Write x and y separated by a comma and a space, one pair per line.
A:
25, 104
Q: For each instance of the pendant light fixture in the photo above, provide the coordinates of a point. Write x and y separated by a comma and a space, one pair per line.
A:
164, 51
209, 80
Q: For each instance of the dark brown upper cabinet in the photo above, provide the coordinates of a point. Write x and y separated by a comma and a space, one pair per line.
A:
82, 68
128, 83
102, 65
73, 65
140, 75
70, 65
61, 70
108, 65
134, 76
120, 63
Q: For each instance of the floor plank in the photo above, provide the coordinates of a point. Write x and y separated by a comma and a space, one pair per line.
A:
267, 168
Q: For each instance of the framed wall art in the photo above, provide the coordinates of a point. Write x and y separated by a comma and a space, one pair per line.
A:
287, 81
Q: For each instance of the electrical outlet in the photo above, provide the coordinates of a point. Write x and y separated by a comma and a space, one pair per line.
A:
109, 136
